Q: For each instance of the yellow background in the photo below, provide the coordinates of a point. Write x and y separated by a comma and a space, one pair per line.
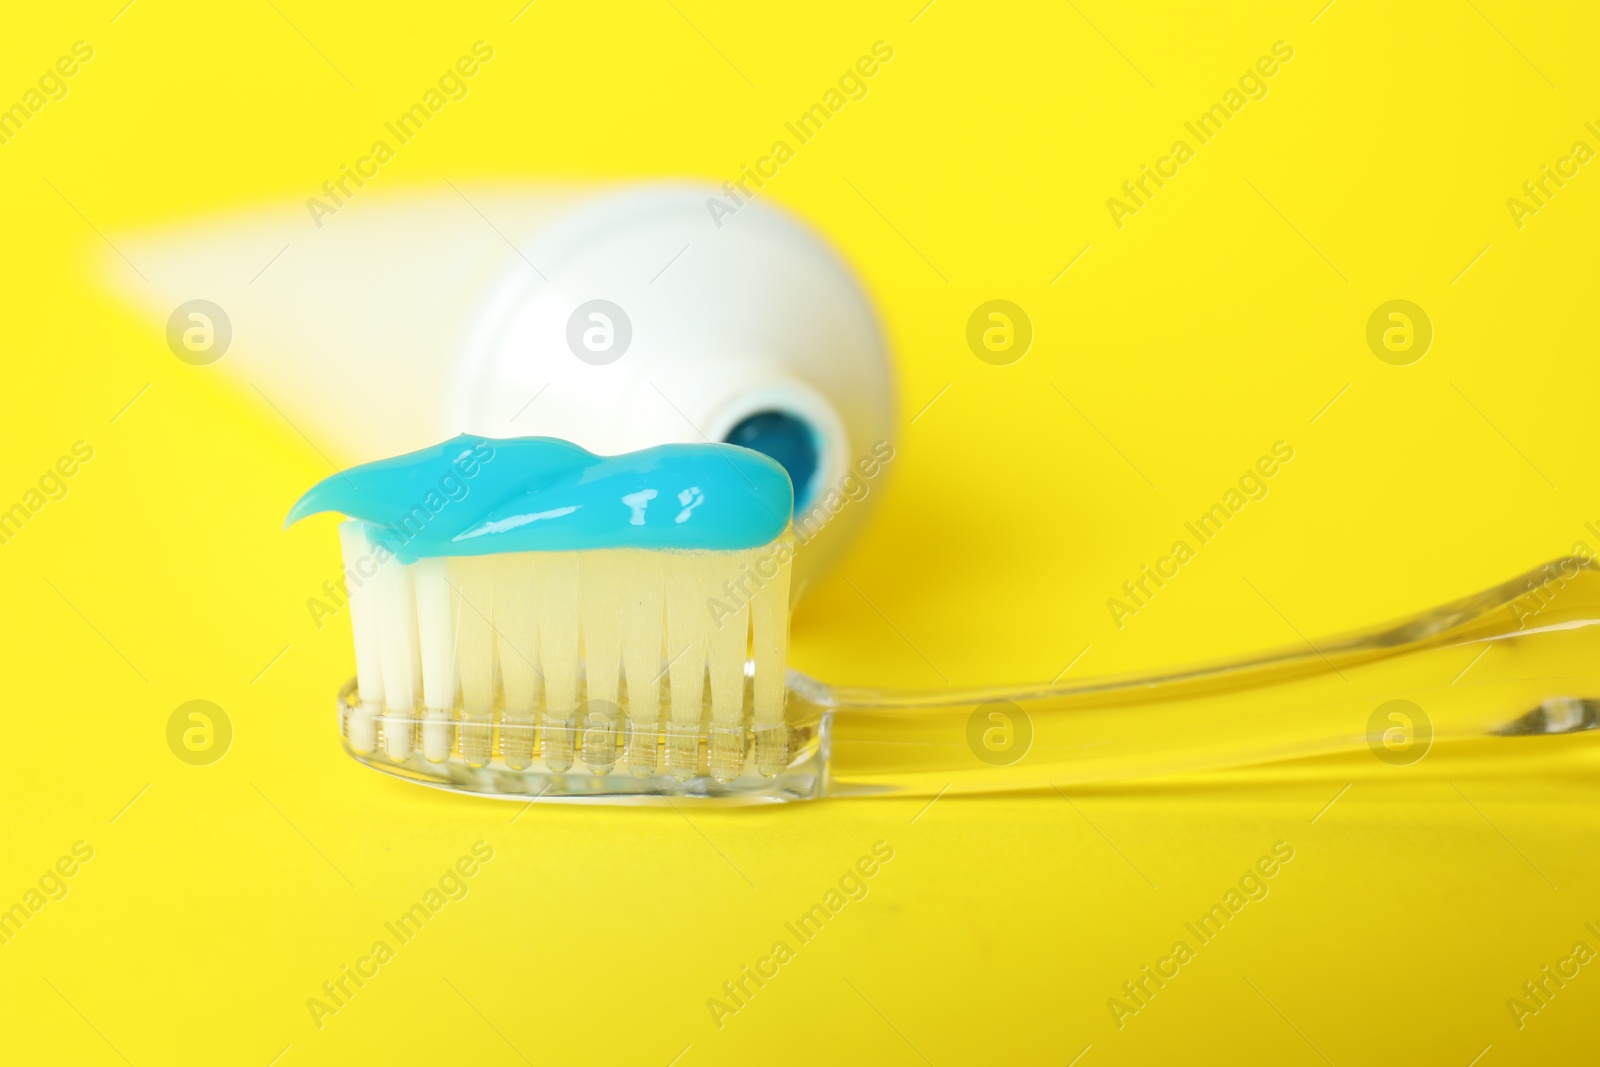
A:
1225, 316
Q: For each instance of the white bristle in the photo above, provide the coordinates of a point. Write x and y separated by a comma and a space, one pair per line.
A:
556, 575
436, 641
358, 563
516, 626
600, 604
686, 653
643, 643
472, 591
727, 614
402, 662
549, 640
769, 648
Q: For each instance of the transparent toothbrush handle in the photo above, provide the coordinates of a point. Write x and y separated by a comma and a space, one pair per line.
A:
1521, 658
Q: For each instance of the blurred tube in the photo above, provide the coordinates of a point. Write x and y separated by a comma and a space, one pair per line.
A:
614, 318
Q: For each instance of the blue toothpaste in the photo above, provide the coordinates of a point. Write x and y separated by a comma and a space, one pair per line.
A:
473, 496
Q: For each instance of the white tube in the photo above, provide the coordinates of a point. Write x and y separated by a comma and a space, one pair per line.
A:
409, 317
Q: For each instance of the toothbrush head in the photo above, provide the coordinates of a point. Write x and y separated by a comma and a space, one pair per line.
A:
545, 622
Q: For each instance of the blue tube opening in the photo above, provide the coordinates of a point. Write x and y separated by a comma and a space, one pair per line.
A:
787, 439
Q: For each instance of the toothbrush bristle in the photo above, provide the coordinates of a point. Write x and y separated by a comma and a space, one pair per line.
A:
563, 662
513, 613
363, 728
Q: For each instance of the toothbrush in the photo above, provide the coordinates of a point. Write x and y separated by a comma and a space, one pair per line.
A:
542, 627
